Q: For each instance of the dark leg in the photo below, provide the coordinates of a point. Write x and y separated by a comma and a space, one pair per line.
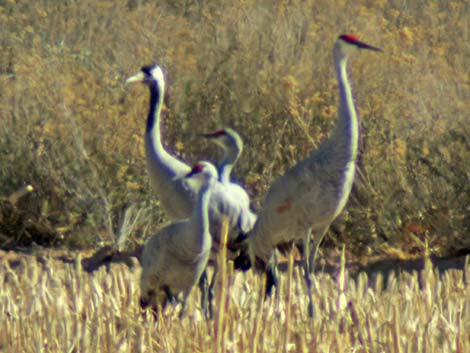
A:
170, 298
204, 288
144, 305
272, 279
307, 269
211, 292
145, 302
242, 262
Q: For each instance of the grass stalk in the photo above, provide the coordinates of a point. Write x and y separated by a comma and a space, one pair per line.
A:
290, 271
222, 265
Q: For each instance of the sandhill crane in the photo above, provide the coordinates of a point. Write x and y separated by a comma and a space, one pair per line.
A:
165, 171
174, 258
231, 143
302, 203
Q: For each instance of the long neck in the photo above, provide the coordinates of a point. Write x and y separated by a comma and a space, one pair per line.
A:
153, 119
226, 166
346, 134
163, 165
200, 212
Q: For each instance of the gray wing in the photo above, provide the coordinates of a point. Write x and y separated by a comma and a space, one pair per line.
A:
233, 203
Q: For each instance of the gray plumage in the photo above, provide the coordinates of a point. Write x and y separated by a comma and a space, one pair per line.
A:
232, 145
174, 258
165, 170
302, 203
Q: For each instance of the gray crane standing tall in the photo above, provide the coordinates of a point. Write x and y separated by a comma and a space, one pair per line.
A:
302, 203
174, 258
165, 170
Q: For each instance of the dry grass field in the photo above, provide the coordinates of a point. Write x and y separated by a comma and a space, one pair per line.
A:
49, 306
73, 130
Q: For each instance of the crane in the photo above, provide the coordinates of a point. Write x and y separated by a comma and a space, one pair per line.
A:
177, 197
232, 145
302, 203
165, 170
174, 258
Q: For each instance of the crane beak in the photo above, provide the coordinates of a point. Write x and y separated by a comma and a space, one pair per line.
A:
139, 77
185, 176
362, 45
214, 136
208, 136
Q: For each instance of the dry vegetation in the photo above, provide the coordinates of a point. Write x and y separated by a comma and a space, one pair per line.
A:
51, 307
71, 128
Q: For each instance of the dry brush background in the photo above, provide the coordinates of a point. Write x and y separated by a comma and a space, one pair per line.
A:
71, 128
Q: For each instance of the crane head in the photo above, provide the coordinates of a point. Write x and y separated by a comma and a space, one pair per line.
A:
347, 43
203, 170
227, 138
151, 74
217, 136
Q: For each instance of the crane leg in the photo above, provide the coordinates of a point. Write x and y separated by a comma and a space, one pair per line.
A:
307, 270
183, 304
170, 298
211, 291
271, 275
204, 288
313, 252
165, 300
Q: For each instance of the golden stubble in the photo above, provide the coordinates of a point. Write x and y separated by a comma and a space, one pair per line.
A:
51, 306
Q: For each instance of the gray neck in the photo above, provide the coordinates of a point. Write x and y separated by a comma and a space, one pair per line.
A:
200, 212
153, 121
162, 164
346, 134
225, 167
